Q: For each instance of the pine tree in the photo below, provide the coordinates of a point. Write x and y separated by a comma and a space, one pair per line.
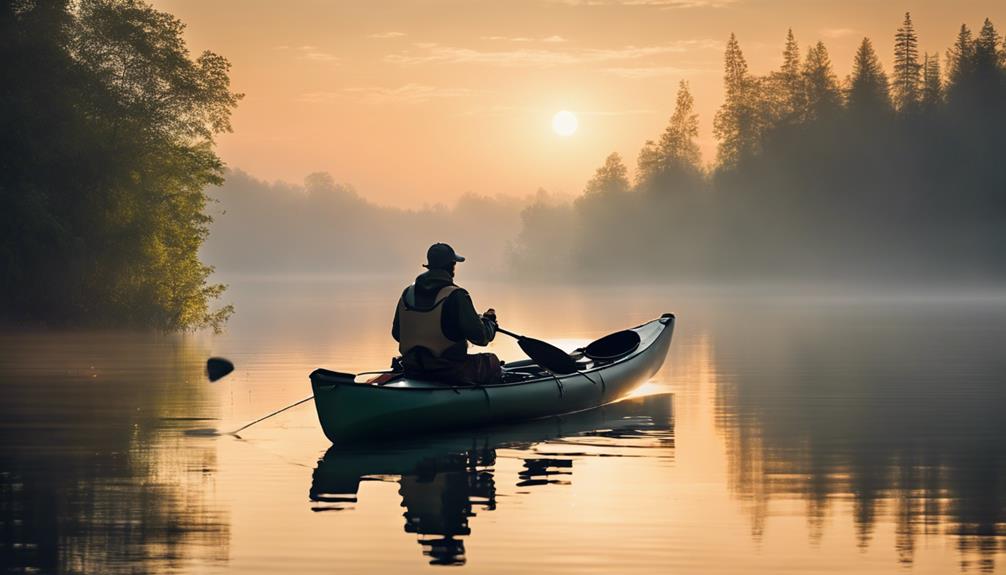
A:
737, 124
786, 84
932, 82
986, 51
907, 69
678, 146
960, 58
868, 92
823, 95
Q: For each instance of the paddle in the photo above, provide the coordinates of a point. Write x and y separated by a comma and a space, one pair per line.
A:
544, 354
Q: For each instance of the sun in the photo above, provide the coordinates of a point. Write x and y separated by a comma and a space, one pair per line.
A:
565, 123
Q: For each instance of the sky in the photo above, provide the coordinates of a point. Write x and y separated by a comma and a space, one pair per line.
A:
419, 102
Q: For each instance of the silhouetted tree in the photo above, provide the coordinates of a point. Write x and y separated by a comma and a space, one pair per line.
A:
610, 179
867, 92
824, 98
821, 182
906, 65
647, 164
738, 122
932, 83
678, 145
988, 61
786, 84
960, 58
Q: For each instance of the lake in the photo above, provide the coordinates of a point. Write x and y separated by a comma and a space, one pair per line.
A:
789, 430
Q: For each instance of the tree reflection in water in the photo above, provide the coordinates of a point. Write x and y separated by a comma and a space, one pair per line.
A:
95, 474
444, 479
894, 409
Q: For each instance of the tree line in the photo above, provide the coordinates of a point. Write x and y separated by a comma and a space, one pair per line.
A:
106, 145
878, 176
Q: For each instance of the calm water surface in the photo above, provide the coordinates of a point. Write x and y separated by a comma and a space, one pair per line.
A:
801, 434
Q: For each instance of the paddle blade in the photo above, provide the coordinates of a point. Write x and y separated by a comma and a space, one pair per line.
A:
548, 356
218, 367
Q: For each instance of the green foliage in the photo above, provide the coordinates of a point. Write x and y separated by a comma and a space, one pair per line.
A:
107, 138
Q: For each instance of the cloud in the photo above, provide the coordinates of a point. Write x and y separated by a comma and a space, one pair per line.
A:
630, 112
408, 93
501, 110
543, 58
319, 56
313, 53
553, 39
654, 71
836, 33
653, 3
385, 35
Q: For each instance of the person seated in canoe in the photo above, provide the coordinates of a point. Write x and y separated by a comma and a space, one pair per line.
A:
434, 322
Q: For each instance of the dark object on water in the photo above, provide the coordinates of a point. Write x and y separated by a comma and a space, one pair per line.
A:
613, 346
406, 406
218, 367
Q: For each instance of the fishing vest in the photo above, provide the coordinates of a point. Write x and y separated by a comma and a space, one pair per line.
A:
422, 327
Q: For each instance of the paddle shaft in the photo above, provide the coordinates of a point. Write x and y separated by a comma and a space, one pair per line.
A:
510, 333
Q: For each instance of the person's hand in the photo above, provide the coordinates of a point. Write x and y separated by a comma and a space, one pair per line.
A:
490, 315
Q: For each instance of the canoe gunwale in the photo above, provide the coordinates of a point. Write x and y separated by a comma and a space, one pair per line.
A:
666, 320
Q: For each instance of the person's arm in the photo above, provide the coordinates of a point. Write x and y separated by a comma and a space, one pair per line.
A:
475, 328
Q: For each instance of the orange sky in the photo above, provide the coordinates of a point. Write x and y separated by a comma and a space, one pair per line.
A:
419, 102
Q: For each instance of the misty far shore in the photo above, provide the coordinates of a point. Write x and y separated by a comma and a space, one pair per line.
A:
877, 179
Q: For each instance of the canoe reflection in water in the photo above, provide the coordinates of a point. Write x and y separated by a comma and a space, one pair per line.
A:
444, 479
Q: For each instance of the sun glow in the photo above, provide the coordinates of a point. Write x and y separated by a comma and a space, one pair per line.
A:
565, 123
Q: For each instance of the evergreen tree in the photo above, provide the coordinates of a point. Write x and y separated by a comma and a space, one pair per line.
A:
907, 69
786, 83
986, 49
932, 82
867, 87
960, 58
824, 98
678, 145
738, 122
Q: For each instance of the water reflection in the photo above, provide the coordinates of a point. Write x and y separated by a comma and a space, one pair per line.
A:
881, 410
93, 477
445, 480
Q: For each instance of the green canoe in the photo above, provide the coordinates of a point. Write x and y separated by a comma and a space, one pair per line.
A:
610, 368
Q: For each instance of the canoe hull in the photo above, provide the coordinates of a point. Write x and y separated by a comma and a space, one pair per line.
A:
351, 411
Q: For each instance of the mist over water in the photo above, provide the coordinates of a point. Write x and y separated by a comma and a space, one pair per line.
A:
813, 433
831, 400
323, 228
